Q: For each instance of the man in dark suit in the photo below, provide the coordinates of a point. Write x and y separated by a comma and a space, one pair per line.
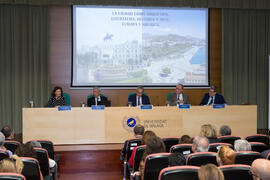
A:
97, 99
178, 97
212, 97
139, 98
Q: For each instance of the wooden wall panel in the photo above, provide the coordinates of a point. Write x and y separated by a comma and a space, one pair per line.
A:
60, 61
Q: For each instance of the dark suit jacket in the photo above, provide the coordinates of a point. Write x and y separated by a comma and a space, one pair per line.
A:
173, 99
219, 99
91, 101
133, 99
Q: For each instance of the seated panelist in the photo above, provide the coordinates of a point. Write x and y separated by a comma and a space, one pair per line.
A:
97, 99
139, 98
179, 97
212, 97
57, 98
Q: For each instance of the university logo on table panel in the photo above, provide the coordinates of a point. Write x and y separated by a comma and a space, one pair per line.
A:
129, 122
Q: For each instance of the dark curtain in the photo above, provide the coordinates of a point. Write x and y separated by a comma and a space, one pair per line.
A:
24, 63
246, 46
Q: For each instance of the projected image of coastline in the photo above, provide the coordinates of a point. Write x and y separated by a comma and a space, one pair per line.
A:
123, 46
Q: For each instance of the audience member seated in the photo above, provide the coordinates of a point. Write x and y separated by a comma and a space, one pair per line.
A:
242, 145
138, 132
212, 97
210, 132
225, 131
153, 145
11, 165
26, 150
97, 99
8, 133
2, 141
139, 98
200, 144
185, 139
177, 159
210, 172
260, 169
36, 144
146, 136
225, 156
57, 98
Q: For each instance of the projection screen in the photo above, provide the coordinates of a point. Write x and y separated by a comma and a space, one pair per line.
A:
130, 46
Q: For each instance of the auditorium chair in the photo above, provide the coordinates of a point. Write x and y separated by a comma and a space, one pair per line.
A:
179, 172
246, 157
168, 97
201, 158
31, 169
11, 176
268, 156
182, 148
214, 147
43, 160
258, 146
131, 144
169, 142
3, 154
49, 146
67, 98
137, 159
258, 138
11, 145
236, 172
153, 164
228, 139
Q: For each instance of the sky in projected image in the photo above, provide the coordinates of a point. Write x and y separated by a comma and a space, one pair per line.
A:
125, 46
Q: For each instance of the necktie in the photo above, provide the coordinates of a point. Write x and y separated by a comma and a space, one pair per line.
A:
211, 101
139, 101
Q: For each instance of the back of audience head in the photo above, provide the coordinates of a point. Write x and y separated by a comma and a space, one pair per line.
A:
225, 130
26, 150
8, 132
176, 159
35, 144
2, 140
11, 165
208, 131
146, 136
185, 139
242, 145
225, 156
138, 130
210, 172
260, 169
200, 144
154, 145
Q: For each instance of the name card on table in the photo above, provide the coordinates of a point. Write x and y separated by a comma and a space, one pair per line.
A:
64, 108
184, 106
149, 107
98, 107
218, 106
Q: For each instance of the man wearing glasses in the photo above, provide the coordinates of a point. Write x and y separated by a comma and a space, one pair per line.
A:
212, 97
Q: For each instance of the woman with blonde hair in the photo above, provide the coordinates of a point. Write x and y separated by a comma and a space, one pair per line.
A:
225, 156
11, 165
209, 131
210, 172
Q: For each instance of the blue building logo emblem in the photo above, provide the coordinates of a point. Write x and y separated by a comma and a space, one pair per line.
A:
130, 122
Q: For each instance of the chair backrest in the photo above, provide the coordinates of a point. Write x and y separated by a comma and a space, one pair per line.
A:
168, 96
131, 144
179, 172
31, 169
169, 142
138, 157
11, 145
258, 138
132, 93
258, 146
201, 158
214, 147
67, 98
228, 139
153, 164
3, 154
182, 148
236, 172
48, 145
11, 176
43, 159
246, 157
